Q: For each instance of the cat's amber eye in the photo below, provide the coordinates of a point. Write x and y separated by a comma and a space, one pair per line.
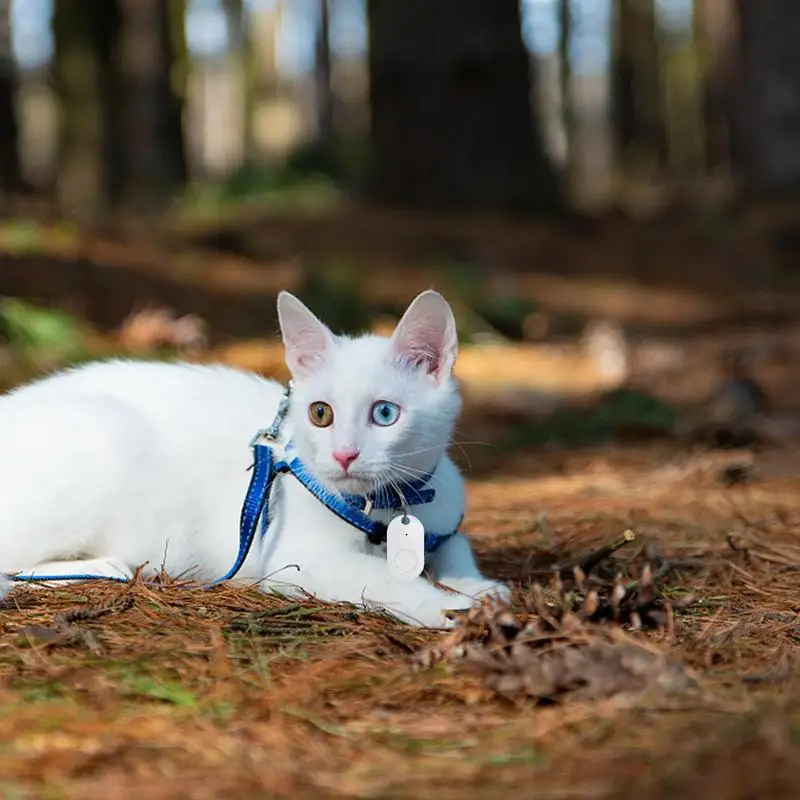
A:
321, 414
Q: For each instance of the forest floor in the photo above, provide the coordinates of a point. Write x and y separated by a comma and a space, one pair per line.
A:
175, 691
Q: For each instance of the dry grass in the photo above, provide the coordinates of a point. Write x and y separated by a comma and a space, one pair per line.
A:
177, 691
174, 691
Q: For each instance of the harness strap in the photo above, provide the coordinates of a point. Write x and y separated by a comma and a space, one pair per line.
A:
264, 472
375, 531
355, 516
414, 493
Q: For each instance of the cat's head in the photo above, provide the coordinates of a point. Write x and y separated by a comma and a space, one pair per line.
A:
371, 410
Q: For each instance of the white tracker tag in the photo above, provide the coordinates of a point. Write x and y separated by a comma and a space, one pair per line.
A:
405, 547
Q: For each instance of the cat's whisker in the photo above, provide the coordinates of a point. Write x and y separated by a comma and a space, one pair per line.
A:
415, 473
393, 484
419, 452
463, 452
461, 445
483, 444
381, 488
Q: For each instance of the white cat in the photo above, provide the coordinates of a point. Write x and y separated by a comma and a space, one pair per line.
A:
112, 465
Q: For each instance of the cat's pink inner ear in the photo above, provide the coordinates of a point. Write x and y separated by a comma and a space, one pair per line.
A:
306, 339
425, 338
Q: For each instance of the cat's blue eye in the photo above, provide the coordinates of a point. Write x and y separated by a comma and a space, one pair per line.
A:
385, 413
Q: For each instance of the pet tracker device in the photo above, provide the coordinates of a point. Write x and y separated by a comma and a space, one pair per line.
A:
405, 547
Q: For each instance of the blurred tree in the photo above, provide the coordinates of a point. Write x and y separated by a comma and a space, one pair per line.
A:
450, 92
86, 35
154, 160
565, 76
681, 97
10, 173
181, 63
636, 91
322, 75
240, 52
765, 96
235, 22
715, 30
265, 83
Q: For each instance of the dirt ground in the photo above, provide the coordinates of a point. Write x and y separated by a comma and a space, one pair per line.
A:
176, 691
666, 274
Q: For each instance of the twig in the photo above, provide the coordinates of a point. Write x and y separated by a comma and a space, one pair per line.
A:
588, 563
119, 604
544, 528
279, 610
64, 631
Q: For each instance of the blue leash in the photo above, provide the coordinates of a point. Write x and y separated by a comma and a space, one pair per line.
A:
78, 577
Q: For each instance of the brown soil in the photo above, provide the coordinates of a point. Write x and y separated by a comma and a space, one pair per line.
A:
667, 274
173, 691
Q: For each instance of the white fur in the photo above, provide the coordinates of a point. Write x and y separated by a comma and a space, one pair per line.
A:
117, 464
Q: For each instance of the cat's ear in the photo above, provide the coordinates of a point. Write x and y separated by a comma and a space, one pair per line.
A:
426, 336
307, 340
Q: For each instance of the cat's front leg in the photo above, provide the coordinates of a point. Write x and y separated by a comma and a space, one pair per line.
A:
365, 580
454, 565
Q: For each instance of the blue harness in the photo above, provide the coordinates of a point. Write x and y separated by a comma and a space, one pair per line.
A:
353, 509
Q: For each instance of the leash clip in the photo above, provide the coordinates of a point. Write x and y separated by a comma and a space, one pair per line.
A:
273, 432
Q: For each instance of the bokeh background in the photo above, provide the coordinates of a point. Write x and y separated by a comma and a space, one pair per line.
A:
605, 189
607, 193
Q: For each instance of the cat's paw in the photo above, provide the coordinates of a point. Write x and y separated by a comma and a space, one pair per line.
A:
434, 615
468, 591
476, 588
114, 567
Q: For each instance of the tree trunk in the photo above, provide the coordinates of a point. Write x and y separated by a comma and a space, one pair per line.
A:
636, 94
450, 101
152, 137
322, 75
10, 172
85, 34
765, 120
181, 66
251, 87
234, 19
715, 30
565, 78
240, 53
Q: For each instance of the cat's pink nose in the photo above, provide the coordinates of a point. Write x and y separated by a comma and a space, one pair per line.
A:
345, 458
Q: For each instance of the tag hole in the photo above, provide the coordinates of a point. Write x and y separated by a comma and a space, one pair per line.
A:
405, 520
